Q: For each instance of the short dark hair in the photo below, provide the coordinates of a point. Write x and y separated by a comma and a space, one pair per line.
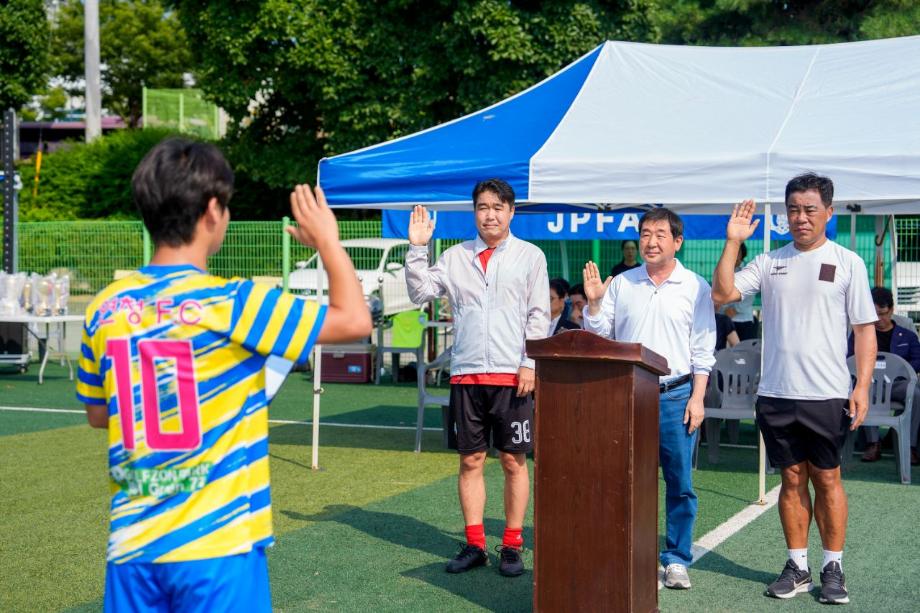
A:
498, 187
663, 214
579, 289
743, 251
560, 286
173, 185
802, 183
628, 240
883, 297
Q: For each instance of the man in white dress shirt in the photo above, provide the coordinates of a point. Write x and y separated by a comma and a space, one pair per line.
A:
668, 309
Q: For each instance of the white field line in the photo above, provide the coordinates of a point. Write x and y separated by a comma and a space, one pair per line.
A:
271, 421
734, 525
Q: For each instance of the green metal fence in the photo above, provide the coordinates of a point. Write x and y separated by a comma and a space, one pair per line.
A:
93, 251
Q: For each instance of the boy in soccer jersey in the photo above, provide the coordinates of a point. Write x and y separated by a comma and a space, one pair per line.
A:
173, 364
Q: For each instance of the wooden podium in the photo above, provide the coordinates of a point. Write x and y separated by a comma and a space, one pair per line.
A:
596, 474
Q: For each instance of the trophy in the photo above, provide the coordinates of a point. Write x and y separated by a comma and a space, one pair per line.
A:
43, 296
61, 294
10, 293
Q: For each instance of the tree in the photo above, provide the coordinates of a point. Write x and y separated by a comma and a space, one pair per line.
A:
794, 22
140, 44
306, 78
51, 105
24, 35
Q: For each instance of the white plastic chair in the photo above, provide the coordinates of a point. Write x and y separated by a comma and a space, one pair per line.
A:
734, 382
751, 344
888, 368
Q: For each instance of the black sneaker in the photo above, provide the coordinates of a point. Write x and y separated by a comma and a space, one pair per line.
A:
511, 563
833, 585
469, 557
790, 582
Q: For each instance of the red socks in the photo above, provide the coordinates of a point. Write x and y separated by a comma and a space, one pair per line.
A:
513, 538
476, 535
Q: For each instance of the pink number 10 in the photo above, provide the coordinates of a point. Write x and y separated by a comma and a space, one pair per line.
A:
119, 350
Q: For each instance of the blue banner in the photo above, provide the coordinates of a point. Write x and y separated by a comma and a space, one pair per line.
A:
588, 225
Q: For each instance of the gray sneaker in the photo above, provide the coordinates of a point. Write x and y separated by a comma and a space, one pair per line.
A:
790, 582
676, 577
833, 585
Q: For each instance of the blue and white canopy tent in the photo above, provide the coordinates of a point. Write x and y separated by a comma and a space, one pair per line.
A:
692, 128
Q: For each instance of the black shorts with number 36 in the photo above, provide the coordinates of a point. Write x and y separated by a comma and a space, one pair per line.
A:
483, 412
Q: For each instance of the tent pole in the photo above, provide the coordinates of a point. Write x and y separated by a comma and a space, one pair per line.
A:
317, 365
894, 260
879, 276
761, 450
853, 231
565, 260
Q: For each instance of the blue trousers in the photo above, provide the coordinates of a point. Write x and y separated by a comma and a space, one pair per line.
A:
675, 454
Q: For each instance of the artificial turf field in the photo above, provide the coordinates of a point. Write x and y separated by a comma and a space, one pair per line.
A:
373, 529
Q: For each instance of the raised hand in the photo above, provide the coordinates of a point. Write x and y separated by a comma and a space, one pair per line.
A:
421, 226
316, 224
740, 227
594, 287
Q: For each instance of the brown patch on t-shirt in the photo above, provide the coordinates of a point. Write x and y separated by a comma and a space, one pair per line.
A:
828, 272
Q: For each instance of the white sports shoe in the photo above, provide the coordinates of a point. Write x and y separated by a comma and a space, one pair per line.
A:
676, 577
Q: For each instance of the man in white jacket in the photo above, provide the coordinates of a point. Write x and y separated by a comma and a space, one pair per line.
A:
498, 290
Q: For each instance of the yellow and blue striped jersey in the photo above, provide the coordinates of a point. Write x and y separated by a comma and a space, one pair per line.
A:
178, 356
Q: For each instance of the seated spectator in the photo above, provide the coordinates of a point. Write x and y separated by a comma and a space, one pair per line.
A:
568, 307
892, 338
630, 259
557, 296
726, 335
578, 300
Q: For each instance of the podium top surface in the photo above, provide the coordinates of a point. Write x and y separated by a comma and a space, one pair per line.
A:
583, 345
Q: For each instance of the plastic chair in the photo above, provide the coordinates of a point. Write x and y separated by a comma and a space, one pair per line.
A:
734, 379
408, 336
888, 368
409, 329
751, 344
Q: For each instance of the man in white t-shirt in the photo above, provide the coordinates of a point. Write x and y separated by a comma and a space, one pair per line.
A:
812, 291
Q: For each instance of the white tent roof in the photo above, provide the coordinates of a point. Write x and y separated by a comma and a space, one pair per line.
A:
694, 128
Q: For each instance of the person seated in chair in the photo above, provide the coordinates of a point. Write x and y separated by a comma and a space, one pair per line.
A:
579, 301
902, 342
557, 295
726, 333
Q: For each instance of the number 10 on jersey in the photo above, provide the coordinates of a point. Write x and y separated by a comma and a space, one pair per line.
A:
149, 350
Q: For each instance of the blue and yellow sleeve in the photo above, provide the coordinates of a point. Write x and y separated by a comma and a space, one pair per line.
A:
268, 321
90, 389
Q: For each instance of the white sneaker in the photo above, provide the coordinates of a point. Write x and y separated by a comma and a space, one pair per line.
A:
676, 577
660, 577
